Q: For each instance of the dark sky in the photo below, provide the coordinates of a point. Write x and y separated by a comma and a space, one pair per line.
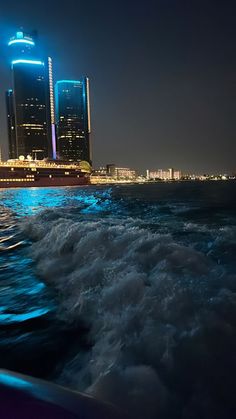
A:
162, 72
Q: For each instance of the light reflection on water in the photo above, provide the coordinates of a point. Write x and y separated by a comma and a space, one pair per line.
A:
22, 294
160, 208
29, 329
28, 201
191, 214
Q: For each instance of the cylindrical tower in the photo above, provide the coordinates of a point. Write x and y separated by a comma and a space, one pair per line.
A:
22, 46
31, 99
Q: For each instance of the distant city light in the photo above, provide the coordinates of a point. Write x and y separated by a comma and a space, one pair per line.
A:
27, 62
21, 41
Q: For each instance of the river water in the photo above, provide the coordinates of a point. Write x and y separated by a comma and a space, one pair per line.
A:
125, 292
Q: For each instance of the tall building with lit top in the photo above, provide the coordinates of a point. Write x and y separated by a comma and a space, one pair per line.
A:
30, 101
73, 119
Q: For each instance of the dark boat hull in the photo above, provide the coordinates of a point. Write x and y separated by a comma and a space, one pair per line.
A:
24, 397
42, 175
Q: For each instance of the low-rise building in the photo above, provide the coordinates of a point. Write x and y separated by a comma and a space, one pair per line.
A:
125, 173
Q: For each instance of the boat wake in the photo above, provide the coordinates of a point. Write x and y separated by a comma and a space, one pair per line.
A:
160, 313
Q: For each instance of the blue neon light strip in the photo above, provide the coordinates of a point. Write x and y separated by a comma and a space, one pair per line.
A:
27, 62
69, 81
21, 41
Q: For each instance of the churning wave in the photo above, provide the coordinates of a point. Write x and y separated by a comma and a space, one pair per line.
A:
160, 311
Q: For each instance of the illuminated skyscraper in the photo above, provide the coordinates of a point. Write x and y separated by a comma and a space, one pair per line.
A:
30, 102
73, 119
11, 124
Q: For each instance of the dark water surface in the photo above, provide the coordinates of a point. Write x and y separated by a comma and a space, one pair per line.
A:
125, 292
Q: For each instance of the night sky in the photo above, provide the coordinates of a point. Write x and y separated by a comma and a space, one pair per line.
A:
162, 73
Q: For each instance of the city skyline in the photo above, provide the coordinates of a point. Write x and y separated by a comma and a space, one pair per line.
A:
118, 209
42, 124
163, 78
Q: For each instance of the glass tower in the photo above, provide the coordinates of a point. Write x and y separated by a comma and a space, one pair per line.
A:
11, 124
73, 120
30, 106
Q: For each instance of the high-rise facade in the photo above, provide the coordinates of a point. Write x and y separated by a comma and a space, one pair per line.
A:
11, 124
30, 102
73, 119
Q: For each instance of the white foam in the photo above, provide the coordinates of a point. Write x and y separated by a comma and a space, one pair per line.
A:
153, 307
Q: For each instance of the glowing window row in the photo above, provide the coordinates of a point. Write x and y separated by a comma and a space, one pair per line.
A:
17, 180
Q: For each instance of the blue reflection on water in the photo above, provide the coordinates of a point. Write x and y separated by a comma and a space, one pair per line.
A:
28, 201
38, 288
23, 296
7, 318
